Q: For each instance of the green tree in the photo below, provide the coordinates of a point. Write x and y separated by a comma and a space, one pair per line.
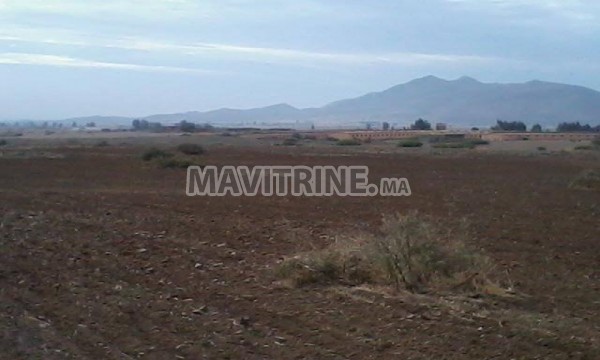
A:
537, 128
421, 124
186, 126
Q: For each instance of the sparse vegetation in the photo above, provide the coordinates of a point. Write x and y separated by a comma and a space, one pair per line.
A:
410, 252
290, 142
102, 143
479, 142
349, 142
587, 180
584, 147
175, 162
190, 149
465, 144
410, 143
454, 145
155, 153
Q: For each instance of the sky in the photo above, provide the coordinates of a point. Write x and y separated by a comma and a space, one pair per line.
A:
69, 58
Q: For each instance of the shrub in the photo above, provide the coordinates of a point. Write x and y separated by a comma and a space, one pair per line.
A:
410, 143
190, 149
348, 142
469, 144
290, 142
587, 180
454, 145
175, 163
410, 252
102, 143
3, 142
155, 153
584, 147
541, 148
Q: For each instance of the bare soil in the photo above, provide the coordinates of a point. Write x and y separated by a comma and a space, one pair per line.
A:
102, 256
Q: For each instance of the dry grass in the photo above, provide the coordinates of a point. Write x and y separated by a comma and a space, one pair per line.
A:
410, 252
587, 180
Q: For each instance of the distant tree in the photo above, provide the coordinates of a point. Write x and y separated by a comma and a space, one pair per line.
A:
386, 125
186, 126
421, 124
312, 127
74, 124
576, 127
474, 129
204, 127
509, 126
537, 128
145, 125
91, 124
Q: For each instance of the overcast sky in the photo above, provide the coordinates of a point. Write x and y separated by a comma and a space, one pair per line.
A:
66, 58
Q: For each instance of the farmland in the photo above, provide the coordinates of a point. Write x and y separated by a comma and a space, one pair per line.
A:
104, 256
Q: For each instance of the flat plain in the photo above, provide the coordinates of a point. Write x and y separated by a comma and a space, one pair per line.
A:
104, 256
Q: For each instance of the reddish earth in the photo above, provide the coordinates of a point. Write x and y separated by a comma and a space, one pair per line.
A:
104, 257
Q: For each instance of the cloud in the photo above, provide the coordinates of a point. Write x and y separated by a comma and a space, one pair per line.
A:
234, 52
64, 61
155, 9
578, 12
172, 10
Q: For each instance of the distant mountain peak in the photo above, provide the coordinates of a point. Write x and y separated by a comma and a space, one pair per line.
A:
281, 106
467, 79
428, 79
464, 101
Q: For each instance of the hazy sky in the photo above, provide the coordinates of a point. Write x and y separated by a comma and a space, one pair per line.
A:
65, 58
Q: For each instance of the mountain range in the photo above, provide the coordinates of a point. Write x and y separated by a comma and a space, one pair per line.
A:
461, 102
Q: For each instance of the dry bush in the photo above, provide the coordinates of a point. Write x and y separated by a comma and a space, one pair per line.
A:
190, 149
410, 252
175, 162
154, 153
349, 142
410, 143
587, 180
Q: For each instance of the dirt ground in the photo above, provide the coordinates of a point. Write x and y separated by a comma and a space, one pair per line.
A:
102, 256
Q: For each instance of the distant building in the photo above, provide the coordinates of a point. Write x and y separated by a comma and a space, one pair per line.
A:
441, 126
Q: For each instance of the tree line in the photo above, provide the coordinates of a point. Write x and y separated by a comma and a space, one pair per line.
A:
183, 126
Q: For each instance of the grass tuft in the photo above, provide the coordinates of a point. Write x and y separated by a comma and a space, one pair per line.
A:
410, 143
349, 142
154, 153
587, 180
190, 149
410, 252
